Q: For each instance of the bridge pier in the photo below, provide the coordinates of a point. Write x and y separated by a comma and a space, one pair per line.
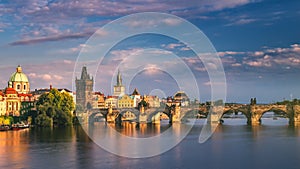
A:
213, 118
176, 115
255, 121
110, 118
156, 119
296, 116
142, 118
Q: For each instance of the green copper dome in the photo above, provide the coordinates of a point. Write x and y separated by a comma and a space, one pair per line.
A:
18, 76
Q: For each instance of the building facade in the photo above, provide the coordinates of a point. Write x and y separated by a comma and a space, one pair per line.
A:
2, 104
136, 97
153, 101
125, 102
181, 98
111, 101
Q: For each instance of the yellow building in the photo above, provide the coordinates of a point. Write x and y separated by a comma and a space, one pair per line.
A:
100, 100
2, 104
13, 103
153, 101
125, 102
111, 101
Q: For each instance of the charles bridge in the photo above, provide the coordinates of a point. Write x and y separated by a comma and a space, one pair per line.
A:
214, 113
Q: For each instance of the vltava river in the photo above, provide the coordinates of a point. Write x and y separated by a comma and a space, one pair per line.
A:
234, 145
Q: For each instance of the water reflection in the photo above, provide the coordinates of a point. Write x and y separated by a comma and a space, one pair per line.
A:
14, 148
231, 146
137, 140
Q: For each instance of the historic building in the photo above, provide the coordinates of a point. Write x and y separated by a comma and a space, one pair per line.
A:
181, 98
111, 101
125, 102
119, 89
2, 104
19, 81
153, 101
136, 97
16, 100
84, 90
100, 100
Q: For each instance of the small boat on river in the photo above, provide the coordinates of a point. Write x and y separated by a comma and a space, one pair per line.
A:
19, 126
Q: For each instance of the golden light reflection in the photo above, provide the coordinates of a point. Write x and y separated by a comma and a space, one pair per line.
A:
14, 146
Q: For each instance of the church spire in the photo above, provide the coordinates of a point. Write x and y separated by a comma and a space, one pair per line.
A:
119, 79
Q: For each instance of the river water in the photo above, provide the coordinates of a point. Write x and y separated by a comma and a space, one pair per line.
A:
234, 145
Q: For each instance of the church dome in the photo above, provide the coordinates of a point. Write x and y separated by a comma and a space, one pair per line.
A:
180, 94
19, 81
18, 76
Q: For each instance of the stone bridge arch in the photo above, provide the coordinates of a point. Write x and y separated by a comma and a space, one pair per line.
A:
244, 109
154, 117
125, 111
257, 111
189, 113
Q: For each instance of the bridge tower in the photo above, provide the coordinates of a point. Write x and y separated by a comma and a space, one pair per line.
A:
84, 90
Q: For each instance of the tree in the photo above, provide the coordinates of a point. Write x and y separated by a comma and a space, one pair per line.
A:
6, 120
56, 106
42, 120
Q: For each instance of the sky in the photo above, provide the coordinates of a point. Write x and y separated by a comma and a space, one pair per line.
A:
258, 42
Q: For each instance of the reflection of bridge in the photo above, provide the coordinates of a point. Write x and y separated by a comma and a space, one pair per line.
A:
253, 113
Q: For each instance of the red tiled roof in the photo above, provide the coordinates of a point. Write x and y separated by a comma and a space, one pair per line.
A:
10, 90
22, 94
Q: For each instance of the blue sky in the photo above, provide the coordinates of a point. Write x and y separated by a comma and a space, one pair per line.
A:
258, 42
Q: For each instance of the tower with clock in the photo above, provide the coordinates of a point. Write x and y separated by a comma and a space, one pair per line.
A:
119, 89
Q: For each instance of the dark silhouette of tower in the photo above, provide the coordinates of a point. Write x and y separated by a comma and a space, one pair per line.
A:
84, 90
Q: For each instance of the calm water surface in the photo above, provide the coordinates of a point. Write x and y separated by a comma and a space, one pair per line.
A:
234, 145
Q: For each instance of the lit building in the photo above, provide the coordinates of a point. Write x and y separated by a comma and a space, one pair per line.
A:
111, 101
2, 104
13, 103
16, 96
125, 102
119, 89
153, 101
136, 97
19, 81
27, 103
100, 100
181, 98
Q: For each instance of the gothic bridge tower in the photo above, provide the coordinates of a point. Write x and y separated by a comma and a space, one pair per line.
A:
84, 90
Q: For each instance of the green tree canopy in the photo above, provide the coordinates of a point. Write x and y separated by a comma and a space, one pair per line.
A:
57, 106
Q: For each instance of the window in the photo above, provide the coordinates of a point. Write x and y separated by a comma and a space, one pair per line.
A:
18, 87
24, 87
